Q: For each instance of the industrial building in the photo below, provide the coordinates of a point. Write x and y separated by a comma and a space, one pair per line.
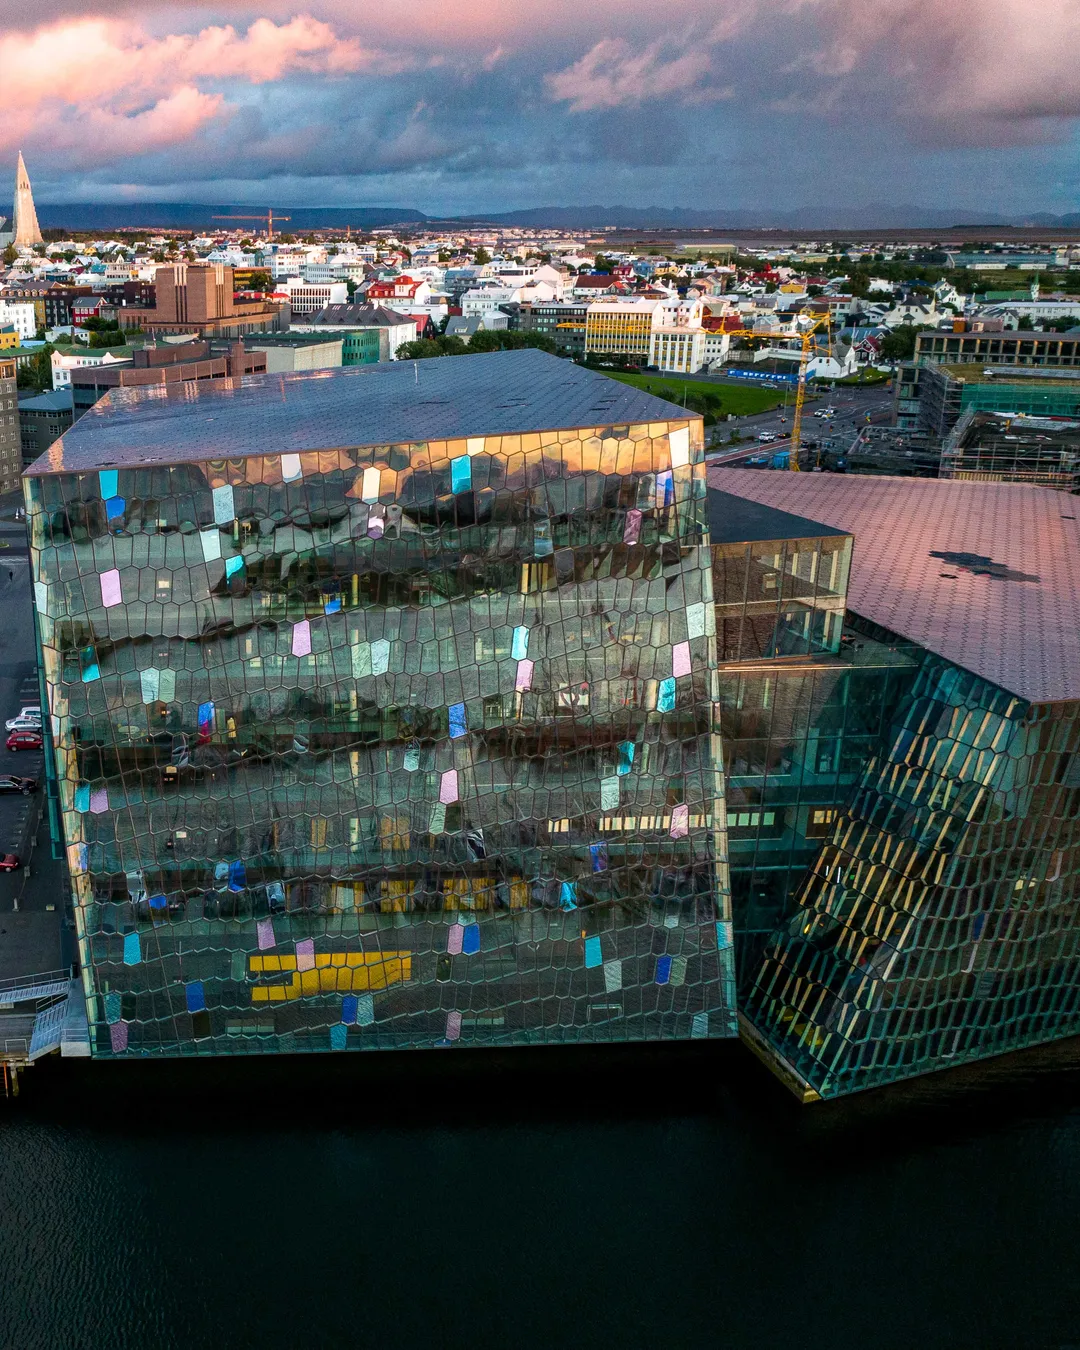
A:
383, 711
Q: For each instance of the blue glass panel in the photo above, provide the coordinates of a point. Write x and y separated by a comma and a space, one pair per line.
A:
593, 955
457, 720
599, 855
663, 969
132, 949
195, 997
348, 1009
470, 939
460, 474
665, 698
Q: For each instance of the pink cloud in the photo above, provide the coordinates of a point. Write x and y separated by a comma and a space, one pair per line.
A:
612, 75
110, 87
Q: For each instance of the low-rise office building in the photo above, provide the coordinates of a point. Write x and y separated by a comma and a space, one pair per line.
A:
42, 419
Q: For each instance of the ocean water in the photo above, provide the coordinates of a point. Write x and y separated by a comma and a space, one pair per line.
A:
643, 1197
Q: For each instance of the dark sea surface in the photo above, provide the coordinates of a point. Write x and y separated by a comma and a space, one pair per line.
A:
669, 1197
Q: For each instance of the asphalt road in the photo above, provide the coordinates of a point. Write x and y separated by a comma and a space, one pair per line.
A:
34, 934
853, 405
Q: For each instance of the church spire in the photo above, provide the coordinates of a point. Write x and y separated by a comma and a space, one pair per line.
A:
25, 221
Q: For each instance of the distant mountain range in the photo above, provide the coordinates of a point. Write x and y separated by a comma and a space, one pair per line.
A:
190, 215
194, 216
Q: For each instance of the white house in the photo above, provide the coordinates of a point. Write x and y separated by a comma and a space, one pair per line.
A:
63, 363
19, 314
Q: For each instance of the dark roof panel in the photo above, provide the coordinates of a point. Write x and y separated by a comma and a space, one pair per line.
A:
494, 394
738, 520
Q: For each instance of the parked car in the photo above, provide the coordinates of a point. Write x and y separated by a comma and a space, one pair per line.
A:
767, 436
24, 740
23, 724
12, 783
9, 862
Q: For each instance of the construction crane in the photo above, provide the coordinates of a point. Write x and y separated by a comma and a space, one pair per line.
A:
268, 221
815, 321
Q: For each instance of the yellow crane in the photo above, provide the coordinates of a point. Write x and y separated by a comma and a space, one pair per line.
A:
268, 221
805, 334
815, 321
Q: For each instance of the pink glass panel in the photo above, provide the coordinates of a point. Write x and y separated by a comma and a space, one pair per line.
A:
301, 638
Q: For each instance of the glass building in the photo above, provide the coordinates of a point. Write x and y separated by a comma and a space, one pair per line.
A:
804, 701
939, 921
384, 711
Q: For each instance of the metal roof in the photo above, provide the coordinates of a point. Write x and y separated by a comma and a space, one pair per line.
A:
986, 575
493, 394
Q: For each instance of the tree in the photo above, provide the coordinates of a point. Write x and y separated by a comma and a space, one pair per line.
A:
1025, 324
899, 345
259, 281
37, 372
481, 256
10, 255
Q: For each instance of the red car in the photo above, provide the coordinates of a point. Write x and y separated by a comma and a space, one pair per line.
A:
9, 862
24, 740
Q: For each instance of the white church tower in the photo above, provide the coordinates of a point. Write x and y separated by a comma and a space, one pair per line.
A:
25, 222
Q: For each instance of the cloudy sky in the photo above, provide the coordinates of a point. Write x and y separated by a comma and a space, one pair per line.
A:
479, 105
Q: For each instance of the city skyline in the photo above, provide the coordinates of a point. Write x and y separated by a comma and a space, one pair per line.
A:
812, 103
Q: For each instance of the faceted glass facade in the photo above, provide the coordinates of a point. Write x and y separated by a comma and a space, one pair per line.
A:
804, 703
395, 745
939, 922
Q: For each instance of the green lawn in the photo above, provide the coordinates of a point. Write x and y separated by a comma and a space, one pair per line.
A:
732, 398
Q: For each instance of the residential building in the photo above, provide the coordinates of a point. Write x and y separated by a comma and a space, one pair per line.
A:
20, 315
370, 332
384, 715
939, 922
308, 297
411, 292
10, 460
53, 303
9, 339
678, 348
43, 418
77, 357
